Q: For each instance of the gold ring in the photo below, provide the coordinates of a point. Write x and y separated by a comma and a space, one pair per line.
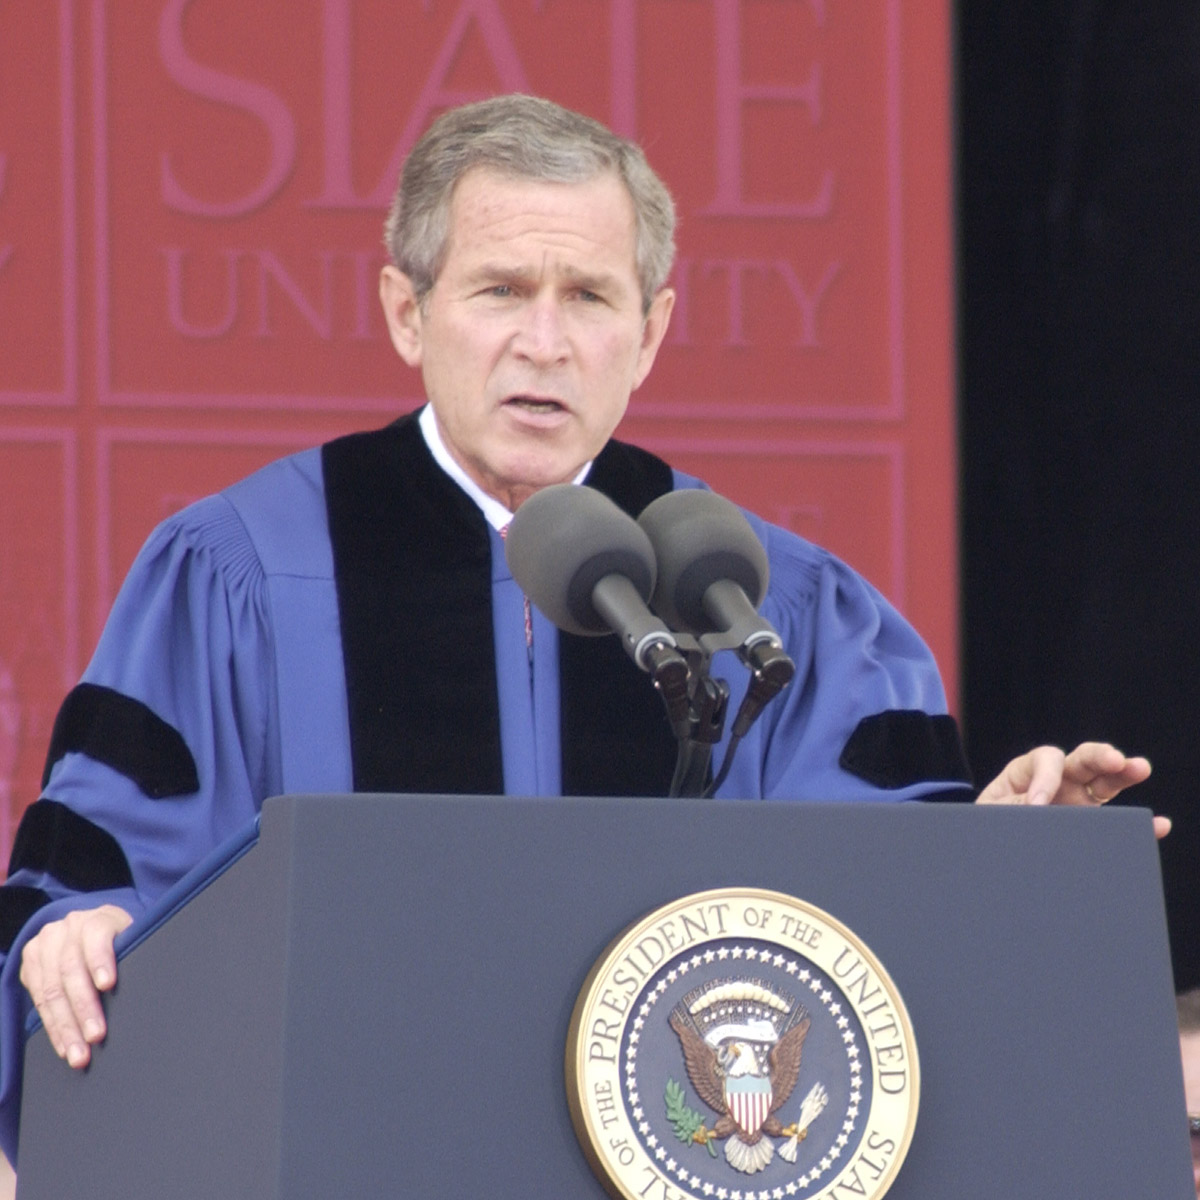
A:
1087, 787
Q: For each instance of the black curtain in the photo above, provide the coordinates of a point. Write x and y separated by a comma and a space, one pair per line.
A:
1079, 352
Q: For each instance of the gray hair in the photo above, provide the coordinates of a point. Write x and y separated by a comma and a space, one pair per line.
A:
524, 137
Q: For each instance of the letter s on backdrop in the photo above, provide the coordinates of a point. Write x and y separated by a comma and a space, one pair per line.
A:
251, 97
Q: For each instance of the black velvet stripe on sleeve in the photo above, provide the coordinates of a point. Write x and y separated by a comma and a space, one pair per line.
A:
17, 905
902, 747
77, 852
126, 735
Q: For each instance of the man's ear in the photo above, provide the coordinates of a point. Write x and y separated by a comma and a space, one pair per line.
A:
654, 329
402, 310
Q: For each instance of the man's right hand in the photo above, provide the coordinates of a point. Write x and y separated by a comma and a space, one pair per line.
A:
65, 967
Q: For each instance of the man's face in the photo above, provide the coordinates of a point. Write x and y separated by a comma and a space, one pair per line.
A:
1189, 1046
533, 335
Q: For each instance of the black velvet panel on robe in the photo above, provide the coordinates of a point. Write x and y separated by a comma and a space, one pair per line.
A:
412, 559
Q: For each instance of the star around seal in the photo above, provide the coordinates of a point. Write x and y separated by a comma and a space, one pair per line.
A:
741, 1044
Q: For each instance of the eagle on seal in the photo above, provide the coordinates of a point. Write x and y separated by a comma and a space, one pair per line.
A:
742, 1081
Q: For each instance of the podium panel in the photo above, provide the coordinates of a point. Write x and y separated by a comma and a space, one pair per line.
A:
373, 1000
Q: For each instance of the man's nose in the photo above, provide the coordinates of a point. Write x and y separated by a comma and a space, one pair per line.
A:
542, 337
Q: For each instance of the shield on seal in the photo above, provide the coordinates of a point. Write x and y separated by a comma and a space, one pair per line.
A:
748, 1098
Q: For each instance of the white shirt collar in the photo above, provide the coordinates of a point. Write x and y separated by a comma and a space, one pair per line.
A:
496, 515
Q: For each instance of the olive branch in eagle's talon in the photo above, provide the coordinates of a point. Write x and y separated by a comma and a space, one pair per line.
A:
686, 1122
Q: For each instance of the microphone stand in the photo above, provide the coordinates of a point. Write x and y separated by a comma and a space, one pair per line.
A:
696, 707
771, 670
708, 703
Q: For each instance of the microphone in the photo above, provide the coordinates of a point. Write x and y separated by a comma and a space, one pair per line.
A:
712, 574
590, 568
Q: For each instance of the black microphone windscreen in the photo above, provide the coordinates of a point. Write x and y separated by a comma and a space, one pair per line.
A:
698, 539
563, 540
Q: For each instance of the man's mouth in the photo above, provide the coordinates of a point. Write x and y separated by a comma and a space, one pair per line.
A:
536, 404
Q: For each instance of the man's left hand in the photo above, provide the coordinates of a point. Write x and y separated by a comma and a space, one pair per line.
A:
1093, 773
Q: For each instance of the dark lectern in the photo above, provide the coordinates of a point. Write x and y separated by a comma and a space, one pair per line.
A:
372, 998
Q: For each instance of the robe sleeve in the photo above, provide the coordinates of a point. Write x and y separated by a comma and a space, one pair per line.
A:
865, 716
164, 750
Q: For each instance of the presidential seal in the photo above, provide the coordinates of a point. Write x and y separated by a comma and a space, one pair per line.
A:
741, 1044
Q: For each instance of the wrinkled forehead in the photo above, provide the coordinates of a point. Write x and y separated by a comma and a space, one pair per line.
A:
488, 185
593, 217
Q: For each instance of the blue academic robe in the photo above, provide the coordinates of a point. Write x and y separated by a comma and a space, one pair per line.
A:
223, 653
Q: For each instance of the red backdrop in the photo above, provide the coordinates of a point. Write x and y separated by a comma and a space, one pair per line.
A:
191, 194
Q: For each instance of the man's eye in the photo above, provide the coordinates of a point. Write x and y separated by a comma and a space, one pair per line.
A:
500, 289
591, 297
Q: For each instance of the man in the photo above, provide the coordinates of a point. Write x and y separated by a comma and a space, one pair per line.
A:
345, 618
